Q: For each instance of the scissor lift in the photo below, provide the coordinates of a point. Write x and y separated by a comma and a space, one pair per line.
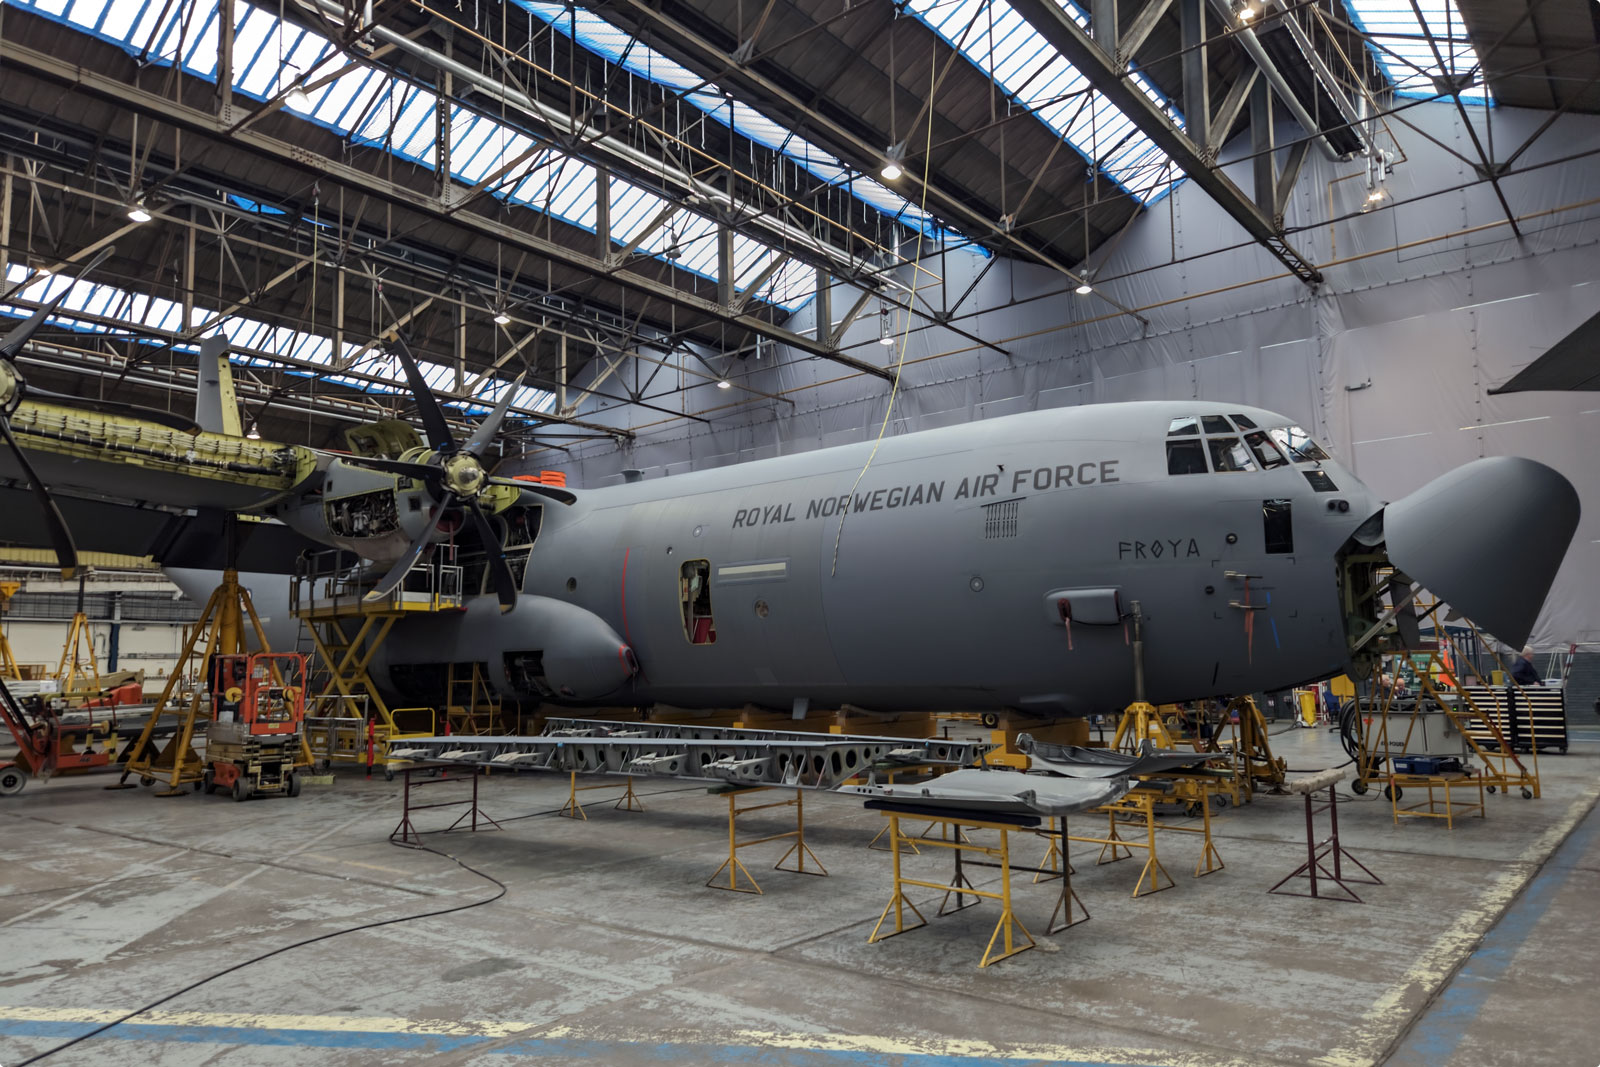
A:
255, 744
349, 721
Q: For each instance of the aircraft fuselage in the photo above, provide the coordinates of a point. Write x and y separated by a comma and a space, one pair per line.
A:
943, 589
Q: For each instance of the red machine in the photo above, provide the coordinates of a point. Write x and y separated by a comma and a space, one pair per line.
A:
256, 741
46, 746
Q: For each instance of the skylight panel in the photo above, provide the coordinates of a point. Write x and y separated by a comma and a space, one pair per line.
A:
609, 42
1401, 48
370, 107
1015, 63
86, 13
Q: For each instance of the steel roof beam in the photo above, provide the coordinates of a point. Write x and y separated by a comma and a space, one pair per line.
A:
1065, 36
706, 55
182, 116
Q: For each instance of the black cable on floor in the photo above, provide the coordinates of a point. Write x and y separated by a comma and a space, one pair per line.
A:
336, 933
286, 948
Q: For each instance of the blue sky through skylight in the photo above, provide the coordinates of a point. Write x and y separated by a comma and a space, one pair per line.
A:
166, 316
372, 108
1405, 55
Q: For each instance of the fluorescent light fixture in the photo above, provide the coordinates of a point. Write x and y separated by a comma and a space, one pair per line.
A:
502, 319
723, 383
137, 212
296, 98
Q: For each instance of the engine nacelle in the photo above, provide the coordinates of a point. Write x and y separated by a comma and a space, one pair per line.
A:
542, 648
372, 513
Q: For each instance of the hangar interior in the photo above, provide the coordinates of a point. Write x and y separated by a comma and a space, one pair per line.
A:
649, 242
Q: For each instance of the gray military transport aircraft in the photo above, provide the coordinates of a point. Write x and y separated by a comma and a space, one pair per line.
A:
986, 566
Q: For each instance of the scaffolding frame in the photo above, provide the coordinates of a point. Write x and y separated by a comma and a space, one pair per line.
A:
328, 595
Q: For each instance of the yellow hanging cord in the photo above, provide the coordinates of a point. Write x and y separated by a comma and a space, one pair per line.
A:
905, 335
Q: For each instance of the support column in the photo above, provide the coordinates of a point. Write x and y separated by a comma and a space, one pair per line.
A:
1103, 24
1263, 145
1196, 88
822, 306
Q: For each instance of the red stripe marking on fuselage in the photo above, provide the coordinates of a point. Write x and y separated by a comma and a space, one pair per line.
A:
626, 635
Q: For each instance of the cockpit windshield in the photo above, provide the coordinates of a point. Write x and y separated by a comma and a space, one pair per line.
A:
1298, 444
1202, 444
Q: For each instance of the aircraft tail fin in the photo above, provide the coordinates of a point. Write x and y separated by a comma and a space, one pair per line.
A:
216, 407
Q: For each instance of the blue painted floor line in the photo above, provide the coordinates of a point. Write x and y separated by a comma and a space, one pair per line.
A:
1435, 1036
595, 1051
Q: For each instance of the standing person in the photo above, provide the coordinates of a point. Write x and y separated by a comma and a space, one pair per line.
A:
1524, 673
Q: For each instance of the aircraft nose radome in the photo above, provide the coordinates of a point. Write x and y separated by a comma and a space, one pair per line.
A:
1487, 538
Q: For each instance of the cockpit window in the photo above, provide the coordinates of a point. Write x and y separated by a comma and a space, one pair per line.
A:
1229, 454
1186, 424
1186, 457
1266, 455
1216, 424
1244, 422
1298, 445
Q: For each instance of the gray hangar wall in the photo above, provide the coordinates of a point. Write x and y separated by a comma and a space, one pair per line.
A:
1429, 301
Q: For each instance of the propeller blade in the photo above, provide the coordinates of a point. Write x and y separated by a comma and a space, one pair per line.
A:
60, 536
560, 496
484, 434
433, 423
12, 343
505, 583
426, 472
181, 423
397, 573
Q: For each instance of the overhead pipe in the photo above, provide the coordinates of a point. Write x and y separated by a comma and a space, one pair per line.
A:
1269, 70
1330, 84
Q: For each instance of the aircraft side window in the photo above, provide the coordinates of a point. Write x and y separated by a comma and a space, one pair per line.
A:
694, 592
1277, 524
1244, 422
1229, 454
1186, 457
1216, 424
1183, 426
1266, 454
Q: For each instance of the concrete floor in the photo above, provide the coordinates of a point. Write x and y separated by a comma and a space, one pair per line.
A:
608, 948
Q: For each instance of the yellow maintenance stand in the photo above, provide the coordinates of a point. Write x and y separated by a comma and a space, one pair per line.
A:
348, 721
9, 671
221, 631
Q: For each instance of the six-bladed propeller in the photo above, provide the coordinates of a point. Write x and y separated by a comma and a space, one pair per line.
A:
456, 478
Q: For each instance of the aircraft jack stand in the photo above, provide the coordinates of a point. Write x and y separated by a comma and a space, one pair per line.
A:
1141, 722
222, 624
629, 801
799, 850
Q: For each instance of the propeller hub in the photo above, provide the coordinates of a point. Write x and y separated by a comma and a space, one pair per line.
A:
10, 387
464, 475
